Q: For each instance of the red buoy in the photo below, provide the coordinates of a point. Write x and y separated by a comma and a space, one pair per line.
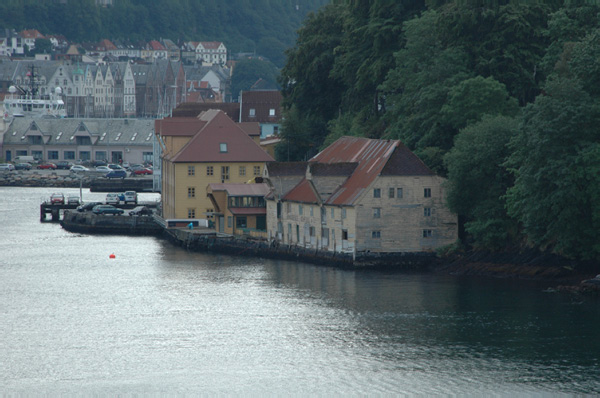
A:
112, 256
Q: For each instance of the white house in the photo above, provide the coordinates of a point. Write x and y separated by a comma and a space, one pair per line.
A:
211, 52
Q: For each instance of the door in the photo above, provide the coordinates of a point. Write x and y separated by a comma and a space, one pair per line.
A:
221, 223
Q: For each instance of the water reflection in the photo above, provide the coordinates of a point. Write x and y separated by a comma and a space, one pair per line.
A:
159, 319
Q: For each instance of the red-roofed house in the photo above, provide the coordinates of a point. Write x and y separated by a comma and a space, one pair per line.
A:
360, 195
157, 50
211, 52
29, 37
199, 151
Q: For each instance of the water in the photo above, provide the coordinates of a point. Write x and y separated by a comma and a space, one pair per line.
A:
159, 320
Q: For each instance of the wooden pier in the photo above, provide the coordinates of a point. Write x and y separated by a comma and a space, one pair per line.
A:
58, 209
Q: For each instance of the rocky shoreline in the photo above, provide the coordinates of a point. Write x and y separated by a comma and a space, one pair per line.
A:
36, 179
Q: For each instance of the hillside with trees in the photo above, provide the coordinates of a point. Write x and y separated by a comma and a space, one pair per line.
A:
266, 27
502, 99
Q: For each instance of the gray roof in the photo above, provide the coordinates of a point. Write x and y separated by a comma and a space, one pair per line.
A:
129, 132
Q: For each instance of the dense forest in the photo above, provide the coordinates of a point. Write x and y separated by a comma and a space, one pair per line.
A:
266, 27
502, 98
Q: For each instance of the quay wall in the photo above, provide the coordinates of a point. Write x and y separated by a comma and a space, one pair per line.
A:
60, 180
88, 222
258, 248
35, 179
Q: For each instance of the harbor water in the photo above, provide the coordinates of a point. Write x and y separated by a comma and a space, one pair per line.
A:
157, 319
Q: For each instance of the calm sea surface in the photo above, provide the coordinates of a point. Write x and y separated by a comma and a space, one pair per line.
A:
159, 320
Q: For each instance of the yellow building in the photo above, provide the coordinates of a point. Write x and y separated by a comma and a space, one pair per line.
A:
196, 152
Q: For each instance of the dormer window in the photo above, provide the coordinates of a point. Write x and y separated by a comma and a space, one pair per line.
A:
223, 147
272, 112
252, 112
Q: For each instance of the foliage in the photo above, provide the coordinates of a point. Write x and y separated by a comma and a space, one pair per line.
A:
42, 46
478, 180
249, 71
555, 160
240, 24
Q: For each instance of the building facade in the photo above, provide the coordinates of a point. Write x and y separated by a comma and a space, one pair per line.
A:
360, 195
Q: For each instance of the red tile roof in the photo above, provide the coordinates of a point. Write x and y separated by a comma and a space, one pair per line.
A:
262, 102
178, 126
106, 45
210, 44
31, 34
156, 46
220, 129
372, 157
252, 128
303, 192
248, 211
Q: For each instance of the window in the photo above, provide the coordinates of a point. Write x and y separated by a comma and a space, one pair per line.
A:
191, 192
391, 192
223, 147
69, 155
224, 173
83, 140
312, 213
343, 213
242, 170
344, 234
257, 170
252, 112
85, 155
300, 209
427, 233
100, 155
332, 213
297, 233
427, 192
191, 170
272, 112
209, 170
376, 234
52, 155
229, 221
191, 213
377, 193
377, 212
399, 193
427, 211
241, 222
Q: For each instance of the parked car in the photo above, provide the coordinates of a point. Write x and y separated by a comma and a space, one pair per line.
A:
6, 167
97, 163
144, 171
22, 166
116, 174
107, 209
64, 165
140, 211
103, 169
115, 167
78, 169
112, 198
88, 206
130, 197
57, 199
47, 166
73, 200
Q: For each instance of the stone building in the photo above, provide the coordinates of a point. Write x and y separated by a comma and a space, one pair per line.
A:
359, 195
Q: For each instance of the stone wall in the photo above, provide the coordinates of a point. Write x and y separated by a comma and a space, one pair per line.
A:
35, 179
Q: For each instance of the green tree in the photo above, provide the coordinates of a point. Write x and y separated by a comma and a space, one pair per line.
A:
555, 160
478, 180
469, 100
249, 71
310, 95
42, 46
